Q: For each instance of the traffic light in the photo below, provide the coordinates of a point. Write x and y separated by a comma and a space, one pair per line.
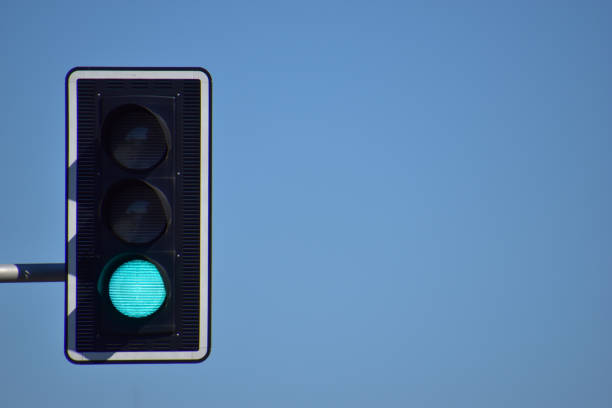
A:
138, 235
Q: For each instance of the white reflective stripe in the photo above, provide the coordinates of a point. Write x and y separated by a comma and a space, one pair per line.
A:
71, 219
137, 355
72, 123
128, 74
204, 200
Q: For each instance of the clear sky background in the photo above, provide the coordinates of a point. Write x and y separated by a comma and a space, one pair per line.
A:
412, 201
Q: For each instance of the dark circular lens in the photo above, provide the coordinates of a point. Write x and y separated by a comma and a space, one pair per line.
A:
136, 212
135, 137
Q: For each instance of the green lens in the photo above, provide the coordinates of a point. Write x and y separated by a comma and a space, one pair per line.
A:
136, 288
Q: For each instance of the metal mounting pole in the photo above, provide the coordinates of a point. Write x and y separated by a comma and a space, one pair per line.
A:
49, 272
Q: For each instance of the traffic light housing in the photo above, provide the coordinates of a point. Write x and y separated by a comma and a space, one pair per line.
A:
138, 214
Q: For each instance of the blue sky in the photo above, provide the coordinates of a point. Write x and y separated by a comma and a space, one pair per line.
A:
411, 201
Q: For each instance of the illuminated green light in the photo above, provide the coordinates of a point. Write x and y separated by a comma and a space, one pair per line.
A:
136, 288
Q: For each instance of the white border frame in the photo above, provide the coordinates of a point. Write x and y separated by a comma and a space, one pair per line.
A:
71, 220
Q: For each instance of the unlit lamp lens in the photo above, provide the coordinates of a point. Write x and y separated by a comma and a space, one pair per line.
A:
136, 212
136, 138
136, 288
